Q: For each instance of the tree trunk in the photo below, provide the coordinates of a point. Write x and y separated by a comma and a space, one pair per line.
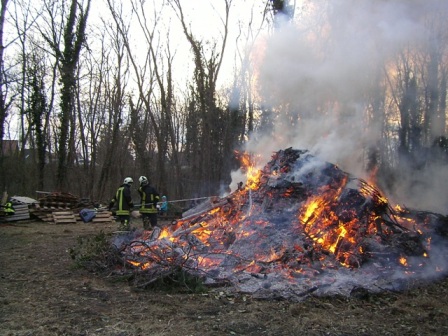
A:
3, 105
73, 40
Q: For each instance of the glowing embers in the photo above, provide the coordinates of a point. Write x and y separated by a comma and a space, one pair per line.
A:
301, 223
403, 261
330, 226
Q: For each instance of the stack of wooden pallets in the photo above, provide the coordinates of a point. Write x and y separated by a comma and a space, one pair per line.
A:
64, 208
61, 204
64, 217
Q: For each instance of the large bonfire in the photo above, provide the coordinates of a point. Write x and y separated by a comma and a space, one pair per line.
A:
299, 226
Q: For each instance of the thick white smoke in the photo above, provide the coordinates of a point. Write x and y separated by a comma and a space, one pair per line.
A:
316, 73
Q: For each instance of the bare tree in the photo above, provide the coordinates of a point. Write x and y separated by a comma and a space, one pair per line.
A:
94, 109
73, 40
151, 112
433, 75
113, 151
204, 148
3, 104
3, 99
241, 103
37, 112
163, 121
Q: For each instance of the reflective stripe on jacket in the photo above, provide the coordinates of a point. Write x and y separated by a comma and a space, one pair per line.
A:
122, 200
149, 199
9, 208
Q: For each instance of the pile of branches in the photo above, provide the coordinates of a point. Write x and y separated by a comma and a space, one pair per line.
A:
257, 236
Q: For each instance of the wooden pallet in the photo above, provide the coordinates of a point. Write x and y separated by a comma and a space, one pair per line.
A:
64, 217
103, 217
45, 216
45, 213
100, 217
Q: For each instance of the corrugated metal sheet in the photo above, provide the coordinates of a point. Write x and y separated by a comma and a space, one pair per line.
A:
23, 200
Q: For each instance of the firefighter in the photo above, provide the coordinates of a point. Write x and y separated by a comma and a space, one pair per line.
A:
149, 197
8, 208
122, 203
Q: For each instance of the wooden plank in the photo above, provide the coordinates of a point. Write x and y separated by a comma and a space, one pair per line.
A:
65, 221
62, 214
102, 220
64, 217
103, 215
43, 215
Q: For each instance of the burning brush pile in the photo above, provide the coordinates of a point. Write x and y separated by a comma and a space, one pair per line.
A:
299, 226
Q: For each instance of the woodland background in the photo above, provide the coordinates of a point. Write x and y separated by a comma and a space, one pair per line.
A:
94, 91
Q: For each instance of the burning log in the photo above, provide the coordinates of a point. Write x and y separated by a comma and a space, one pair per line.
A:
299, 225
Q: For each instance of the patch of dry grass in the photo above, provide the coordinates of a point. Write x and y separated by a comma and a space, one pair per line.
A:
43, 293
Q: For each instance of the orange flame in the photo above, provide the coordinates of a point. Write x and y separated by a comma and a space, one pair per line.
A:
248, 165
403, 261
324, 225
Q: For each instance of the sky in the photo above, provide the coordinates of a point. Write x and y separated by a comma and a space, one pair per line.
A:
204, 19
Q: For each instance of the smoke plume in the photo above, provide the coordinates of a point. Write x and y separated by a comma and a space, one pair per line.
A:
316, 73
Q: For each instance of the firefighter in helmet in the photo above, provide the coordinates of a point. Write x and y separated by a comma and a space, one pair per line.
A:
8, 208
149, 198
122, 203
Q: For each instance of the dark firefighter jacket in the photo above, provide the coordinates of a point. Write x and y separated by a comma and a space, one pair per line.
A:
122, 201
149, 198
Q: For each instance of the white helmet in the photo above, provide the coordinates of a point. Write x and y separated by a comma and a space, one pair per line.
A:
143, 180
128, 180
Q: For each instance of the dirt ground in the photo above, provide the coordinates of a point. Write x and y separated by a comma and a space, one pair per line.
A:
43, 293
